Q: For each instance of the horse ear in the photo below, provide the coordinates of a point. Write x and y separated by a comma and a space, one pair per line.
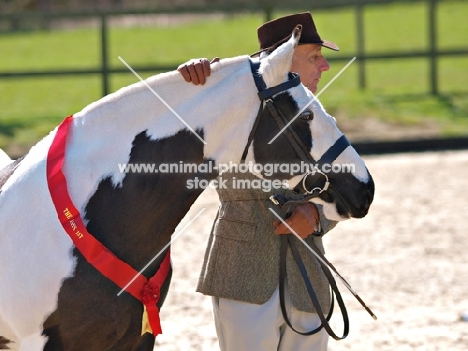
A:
296, 34
275, 67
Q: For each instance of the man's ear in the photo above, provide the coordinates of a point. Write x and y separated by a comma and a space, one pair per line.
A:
275, 67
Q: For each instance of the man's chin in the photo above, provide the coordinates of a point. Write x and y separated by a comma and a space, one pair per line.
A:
313, 88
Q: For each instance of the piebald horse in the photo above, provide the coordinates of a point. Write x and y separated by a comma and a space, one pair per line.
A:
51, 298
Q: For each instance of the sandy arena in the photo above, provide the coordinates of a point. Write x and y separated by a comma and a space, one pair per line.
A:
407, 259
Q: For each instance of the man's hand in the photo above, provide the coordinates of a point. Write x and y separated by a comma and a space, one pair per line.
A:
303, 221
196, 70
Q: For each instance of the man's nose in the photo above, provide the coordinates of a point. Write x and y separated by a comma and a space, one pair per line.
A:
324, 65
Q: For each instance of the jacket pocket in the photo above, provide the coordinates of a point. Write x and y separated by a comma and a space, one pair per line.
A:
235, 229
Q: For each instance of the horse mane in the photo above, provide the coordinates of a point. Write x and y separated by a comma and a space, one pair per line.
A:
171, 80
103, 132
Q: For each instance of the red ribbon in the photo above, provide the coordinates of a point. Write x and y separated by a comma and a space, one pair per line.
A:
94, 252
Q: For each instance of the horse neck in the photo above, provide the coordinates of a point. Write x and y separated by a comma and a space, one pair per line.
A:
223, 111
133, 125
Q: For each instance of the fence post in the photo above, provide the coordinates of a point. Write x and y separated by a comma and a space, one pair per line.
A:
432, 26
361, 54
267, 13
104, 60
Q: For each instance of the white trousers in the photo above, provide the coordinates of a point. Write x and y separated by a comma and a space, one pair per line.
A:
243, 326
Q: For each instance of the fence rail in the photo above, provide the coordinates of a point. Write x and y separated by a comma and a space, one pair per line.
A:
432, 53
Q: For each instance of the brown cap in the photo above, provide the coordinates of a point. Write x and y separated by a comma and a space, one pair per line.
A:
277, 31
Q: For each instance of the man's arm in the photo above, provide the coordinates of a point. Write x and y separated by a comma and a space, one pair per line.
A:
325, 224
305, 219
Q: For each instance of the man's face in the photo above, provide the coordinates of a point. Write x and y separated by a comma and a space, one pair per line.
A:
309, 63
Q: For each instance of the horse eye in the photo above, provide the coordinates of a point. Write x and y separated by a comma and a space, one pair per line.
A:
307, 116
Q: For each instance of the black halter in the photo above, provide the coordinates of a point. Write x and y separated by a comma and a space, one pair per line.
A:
311, 181
265, 94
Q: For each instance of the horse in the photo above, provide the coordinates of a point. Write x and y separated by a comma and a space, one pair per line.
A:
51, 297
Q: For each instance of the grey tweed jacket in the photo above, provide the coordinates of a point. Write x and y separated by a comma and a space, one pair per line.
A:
242, 258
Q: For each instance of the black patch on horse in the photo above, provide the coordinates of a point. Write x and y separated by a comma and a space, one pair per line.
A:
280, 149
347, 183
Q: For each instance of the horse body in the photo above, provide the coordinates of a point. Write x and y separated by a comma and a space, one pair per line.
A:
51, 298
147, 132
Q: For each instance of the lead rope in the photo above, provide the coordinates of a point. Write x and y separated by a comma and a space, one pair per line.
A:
287, 241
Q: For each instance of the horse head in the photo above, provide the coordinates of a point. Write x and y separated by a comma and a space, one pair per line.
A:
300, 141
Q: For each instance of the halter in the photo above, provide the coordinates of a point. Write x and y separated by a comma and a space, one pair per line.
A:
310, 182
265, 94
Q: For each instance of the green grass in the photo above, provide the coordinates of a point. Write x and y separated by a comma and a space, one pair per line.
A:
397, 90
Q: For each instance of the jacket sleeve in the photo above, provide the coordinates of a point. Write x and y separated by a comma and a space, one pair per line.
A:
325, 224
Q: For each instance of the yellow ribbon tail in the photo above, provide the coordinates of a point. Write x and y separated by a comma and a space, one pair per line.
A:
145, 324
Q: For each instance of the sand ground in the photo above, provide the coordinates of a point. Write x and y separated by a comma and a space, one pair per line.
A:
407, 259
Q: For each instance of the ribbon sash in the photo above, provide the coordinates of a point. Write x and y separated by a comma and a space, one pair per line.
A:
94, 251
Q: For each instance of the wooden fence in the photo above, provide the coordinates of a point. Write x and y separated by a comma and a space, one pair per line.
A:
432, 54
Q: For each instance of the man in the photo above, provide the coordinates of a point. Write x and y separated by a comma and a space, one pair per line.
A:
241, 263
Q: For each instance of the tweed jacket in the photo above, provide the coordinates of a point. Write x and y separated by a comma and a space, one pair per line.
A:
242, 258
